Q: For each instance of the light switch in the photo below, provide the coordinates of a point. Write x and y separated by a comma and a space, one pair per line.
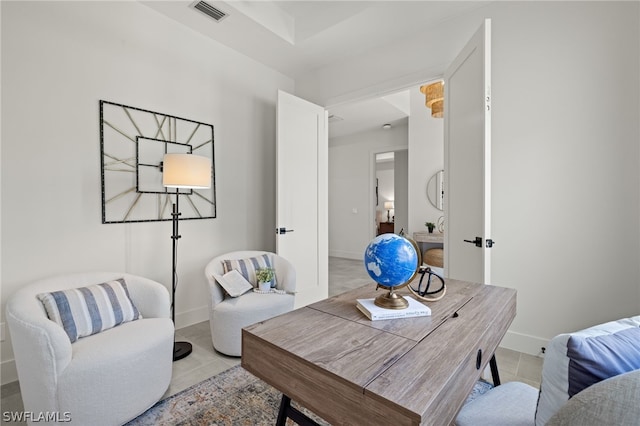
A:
354, 210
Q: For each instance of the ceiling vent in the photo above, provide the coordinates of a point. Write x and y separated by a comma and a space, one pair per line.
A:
209, 10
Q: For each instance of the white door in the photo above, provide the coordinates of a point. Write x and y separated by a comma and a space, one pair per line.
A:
467, 135
302, 194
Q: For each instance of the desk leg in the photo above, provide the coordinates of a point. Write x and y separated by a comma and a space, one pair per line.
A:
494, 370
287, 411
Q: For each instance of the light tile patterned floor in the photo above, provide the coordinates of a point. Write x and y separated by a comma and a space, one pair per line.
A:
204, 362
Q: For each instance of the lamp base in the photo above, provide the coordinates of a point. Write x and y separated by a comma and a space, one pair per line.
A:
181, 350
391, 300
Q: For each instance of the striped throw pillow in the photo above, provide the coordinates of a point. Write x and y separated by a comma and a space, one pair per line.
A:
89, 310
248, 267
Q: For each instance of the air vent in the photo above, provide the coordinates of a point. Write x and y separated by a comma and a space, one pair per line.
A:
210, 11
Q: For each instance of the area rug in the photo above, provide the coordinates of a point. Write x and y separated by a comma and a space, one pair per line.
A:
234, 397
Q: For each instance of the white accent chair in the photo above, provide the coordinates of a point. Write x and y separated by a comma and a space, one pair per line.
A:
107, 378
228, 315
601, 364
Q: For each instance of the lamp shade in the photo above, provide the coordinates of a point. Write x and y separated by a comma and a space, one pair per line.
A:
388, 204
186, 171
434, 98
433, 92
437, 109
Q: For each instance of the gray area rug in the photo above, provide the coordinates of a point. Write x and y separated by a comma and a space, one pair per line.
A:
234, 397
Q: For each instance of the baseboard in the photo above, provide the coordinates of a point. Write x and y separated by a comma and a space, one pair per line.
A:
525, 343
194, 316
8, 372
346, 254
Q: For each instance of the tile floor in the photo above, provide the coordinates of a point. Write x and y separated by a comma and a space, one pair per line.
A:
204, 362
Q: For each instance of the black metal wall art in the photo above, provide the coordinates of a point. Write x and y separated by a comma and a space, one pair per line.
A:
133, 142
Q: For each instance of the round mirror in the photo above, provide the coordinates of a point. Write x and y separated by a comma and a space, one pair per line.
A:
435, 190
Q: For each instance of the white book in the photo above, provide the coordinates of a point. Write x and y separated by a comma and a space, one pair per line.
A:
375, 312
233, 283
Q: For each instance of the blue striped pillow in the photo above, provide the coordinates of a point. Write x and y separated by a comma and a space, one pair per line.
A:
248, 267
89, 310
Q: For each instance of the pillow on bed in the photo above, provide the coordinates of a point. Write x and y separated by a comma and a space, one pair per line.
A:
248, 267
575, 361
89, 310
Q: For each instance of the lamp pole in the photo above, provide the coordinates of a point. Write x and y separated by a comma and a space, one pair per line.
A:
182, 171
180, 349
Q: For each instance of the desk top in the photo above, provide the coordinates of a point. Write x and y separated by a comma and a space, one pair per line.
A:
349, 370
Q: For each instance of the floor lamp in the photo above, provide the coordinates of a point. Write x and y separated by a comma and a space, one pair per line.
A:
182, 171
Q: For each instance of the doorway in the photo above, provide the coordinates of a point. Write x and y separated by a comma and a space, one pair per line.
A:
391, 180
355, 210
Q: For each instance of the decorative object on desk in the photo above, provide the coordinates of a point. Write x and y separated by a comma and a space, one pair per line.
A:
133, 142
392, 261
424, 291
265, 278
430, 226
440, 224
389, 206
182, 171
374, 312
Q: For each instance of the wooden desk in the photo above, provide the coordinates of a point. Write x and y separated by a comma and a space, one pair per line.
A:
331, 359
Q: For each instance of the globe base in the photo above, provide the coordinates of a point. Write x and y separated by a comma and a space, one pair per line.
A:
391, 300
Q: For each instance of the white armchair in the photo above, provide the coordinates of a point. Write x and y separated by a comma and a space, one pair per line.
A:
228, 316
589, 377
107, 378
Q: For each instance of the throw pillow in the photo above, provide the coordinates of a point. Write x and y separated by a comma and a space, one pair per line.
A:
248, 267
233, 283
575, 361
89, 310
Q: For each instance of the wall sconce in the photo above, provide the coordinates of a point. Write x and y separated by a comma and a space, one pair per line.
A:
434, 98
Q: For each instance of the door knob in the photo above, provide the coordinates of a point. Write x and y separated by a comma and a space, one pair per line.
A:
477, 241
283, 230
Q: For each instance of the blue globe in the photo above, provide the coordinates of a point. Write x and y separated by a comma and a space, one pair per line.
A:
391, 260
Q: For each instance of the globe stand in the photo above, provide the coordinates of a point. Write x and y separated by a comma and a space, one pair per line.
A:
391, 300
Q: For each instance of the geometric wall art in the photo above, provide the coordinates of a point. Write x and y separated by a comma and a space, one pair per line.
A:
133, 142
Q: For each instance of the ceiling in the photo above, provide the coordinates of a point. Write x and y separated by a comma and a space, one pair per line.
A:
296, 37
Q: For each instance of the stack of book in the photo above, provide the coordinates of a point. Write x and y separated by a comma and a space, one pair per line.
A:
375, 312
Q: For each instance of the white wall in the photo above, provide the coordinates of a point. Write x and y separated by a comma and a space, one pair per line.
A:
566, 150
351, 173
58, 60
401, 190
426, 157
566, 164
